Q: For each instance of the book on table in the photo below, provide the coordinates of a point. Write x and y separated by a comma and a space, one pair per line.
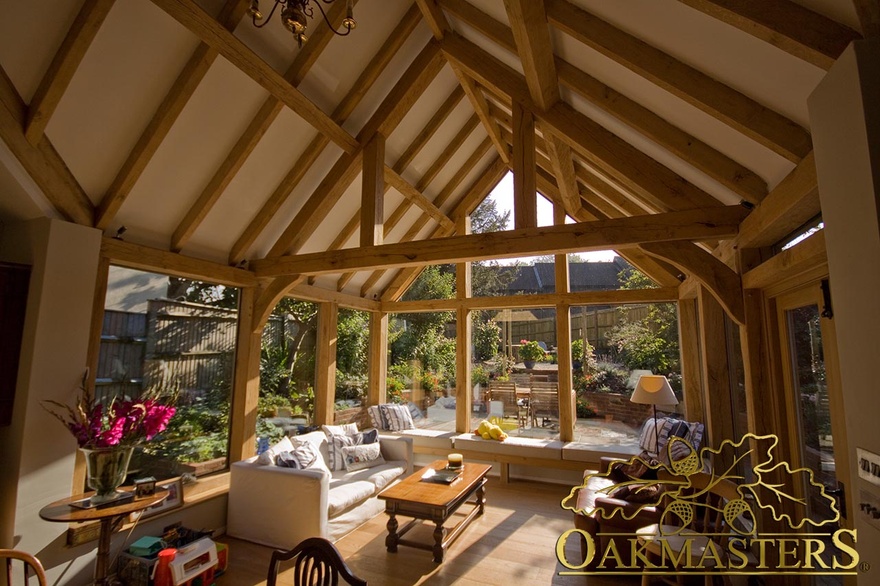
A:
442, 476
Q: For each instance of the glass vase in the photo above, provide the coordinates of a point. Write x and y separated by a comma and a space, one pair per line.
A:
106, 469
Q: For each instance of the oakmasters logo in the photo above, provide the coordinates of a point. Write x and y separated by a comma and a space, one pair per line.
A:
693, 514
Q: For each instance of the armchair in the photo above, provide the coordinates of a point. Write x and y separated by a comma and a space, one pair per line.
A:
592, 498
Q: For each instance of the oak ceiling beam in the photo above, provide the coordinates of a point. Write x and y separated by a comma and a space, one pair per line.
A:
627, 203
525, 205
605, 297
420, 223
768, 128
688, 225
191, 16
416, 197
399, 166
163, 119
791, 204
722, 282
372, 210
146, 258
791, 263
710, 161
439, 26
255, 130
476, 192
657, 270
408, 88
532, 36
42, 162
532, 42
631, 167
67, 59
784, 24
430, 129
868, 12
354, 96
714, 164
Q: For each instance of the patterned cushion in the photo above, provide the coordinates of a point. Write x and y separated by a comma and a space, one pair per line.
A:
337, 443
655, 444
267, 458
301, 457
362, 456
397, 417
318, 463
375, 416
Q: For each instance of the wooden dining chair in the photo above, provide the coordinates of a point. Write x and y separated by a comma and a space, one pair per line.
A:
505, 392
318, 563
544, 402
30, 564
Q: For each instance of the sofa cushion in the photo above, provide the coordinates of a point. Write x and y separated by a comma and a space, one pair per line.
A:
518, 446
319, 440
344, 495
338, 442
396, 417
362, 456
267, 458
301, 457
380, 475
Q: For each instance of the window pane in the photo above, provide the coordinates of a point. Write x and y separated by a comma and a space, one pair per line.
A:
612, 346
286, 405
166, 332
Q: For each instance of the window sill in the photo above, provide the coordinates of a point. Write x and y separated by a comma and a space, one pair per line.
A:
203, 490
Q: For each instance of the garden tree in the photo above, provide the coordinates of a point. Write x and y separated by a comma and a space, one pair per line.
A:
487, 280
651, 342
204, 293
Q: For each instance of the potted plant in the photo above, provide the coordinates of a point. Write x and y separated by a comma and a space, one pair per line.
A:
530, 353
577, 354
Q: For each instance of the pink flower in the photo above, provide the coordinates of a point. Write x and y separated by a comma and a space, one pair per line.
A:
122, 422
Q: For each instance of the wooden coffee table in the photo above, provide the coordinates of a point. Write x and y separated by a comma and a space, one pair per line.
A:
430, 501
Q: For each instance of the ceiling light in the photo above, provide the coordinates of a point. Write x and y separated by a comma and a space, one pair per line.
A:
294, 15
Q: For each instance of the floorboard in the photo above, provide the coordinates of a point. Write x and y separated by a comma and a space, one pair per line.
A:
512, 543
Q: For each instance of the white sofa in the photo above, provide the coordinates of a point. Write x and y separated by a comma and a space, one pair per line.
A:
280, 507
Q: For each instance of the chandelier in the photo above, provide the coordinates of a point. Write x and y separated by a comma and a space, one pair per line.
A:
295, 12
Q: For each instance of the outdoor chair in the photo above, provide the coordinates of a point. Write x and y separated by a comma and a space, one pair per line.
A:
544, 403
505, 392
318, 563
30, 564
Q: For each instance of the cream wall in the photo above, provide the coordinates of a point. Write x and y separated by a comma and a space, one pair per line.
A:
36, 453
845, 120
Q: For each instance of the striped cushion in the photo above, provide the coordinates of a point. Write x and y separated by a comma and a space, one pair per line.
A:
396, 417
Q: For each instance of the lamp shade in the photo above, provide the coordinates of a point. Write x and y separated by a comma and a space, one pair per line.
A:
653, 389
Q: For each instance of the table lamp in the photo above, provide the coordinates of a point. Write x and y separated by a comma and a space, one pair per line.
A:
654, 389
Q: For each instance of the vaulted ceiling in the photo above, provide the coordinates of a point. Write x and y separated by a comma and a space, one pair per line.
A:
207, 137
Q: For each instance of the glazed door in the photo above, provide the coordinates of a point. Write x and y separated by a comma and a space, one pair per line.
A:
809, 353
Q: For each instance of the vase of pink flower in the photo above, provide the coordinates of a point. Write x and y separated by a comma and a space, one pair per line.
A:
108, 434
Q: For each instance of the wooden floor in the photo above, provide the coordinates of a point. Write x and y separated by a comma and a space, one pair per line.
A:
513, 543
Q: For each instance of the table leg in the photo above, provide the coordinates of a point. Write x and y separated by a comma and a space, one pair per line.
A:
481, 500
439, 534
392, 537
102, 558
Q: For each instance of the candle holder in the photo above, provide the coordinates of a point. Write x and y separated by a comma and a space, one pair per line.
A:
454, 461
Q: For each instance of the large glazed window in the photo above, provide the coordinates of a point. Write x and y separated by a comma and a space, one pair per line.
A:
162, 332
286, 405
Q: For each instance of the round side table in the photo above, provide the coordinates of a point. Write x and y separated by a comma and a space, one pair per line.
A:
110, 517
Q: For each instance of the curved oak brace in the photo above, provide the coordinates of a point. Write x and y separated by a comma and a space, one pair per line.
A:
269, 297
724, 284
